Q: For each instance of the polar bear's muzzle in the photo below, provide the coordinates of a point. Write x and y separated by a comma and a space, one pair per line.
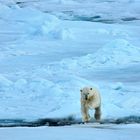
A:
86, 97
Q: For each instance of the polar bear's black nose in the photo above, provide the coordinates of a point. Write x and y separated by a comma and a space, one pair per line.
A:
86, 97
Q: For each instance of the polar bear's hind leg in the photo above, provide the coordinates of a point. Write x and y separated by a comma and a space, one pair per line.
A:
97, 114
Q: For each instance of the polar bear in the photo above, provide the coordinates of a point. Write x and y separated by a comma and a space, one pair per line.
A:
90, 99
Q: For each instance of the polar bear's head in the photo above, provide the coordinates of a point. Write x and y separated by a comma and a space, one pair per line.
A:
87, 93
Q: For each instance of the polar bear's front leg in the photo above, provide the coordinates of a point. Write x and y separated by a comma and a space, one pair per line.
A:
85, 114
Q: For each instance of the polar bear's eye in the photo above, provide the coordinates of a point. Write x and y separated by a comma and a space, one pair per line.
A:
87, 93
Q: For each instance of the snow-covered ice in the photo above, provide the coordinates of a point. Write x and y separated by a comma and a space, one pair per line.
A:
122, 132
50, 49
48, 54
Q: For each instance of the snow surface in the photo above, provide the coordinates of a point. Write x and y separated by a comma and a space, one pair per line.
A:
120, 132
45, 59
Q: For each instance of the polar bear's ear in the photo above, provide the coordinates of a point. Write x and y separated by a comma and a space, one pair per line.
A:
81, 90
90, 88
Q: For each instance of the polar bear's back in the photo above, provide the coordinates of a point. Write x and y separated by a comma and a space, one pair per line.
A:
97, 97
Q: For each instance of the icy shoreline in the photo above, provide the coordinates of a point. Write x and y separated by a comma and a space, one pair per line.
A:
64, 122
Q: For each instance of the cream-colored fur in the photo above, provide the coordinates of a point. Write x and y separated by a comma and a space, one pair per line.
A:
90, 99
